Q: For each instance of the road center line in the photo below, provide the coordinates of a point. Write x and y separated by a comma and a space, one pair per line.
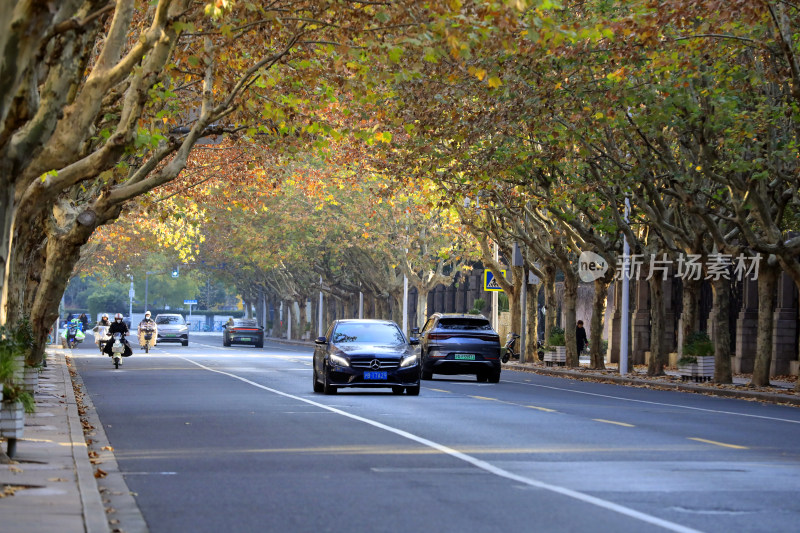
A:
623, 424
734, 446
478, 463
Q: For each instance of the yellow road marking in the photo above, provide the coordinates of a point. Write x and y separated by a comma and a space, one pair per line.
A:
484, 398
441, 390
545, 409
615, 423
734, 446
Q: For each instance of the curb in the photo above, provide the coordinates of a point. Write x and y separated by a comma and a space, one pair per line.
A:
94, 513
771, 397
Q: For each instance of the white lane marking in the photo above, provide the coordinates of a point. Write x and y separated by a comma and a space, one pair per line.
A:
483, 465
716, 411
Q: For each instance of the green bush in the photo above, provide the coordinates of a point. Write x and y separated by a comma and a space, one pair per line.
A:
697, 345
556, 338
14, 345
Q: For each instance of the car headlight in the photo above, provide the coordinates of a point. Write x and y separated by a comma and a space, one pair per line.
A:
338, 360
410, 360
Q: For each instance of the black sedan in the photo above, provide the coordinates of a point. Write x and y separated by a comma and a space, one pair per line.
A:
243, 331
366, 353
460, 344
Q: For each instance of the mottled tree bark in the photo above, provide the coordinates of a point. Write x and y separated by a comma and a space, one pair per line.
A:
532, 330
722, 335
657, 362
570, 318
767, 291
689, 316
550, 303
597, 355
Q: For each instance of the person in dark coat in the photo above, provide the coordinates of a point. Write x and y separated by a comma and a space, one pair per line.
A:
118, 326
84, 321
580, 337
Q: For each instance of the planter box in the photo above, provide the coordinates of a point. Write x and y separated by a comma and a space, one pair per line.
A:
12, 420
30, 379
702, 370
557, 357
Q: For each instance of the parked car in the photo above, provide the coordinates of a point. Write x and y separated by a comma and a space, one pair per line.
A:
366, 353
243, 331
172, 328
460, 344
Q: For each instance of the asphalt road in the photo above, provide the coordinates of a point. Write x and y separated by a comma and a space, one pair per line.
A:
234, 439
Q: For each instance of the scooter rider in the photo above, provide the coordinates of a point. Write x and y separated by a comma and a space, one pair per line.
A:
118, 326
146, 323
103, 322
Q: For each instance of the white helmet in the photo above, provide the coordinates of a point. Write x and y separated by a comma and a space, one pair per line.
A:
118, 316
147, 314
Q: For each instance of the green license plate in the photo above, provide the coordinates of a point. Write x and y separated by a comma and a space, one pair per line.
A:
465, 356
246, 339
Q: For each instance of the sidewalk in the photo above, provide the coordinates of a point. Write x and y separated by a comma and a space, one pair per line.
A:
50, 485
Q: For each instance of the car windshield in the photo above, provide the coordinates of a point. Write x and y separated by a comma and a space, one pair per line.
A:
245, 323
465, 324
368, 333
169, 320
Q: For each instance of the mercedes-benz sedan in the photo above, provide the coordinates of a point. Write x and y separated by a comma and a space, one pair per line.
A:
366, 353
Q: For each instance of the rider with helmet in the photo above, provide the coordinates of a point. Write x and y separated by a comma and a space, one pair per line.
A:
118, 326
101, 331
147, 323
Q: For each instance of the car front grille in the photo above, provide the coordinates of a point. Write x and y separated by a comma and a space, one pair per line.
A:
367, 364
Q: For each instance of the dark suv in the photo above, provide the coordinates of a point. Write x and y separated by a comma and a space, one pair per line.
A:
460, 344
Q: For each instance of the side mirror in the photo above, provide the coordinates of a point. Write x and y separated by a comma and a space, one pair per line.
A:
413, 341
321, 340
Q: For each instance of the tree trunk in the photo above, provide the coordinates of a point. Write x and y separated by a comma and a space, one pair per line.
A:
6, 230
767, 291
550, 304
722, 335
304, 324
689, 315
422, 307
657, 356
532, 330
570, 319
598, 357
514, 299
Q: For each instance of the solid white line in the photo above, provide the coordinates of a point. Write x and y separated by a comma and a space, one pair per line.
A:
655, 403
483, 465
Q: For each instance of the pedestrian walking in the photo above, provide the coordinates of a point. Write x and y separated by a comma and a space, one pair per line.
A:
580, 337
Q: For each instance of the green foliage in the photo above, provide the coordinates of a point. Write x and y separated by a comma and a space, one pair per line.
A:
697, 345
111, 298
478, 306
13, 392
557, 337
502, 302
14, 345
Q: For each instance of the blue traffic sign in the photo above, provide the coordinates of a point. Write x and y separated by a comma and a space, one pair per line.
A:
489, 283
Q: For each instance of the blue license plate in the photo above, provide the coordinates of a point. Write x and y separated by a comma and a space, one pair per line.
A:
375, 375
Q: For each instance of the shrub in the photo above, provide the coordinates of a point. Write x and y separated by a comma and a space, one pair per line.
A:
556, 338
697, 345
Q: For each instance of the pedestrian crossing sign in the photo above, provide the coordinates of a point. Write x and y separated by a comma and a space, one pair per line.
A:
489, 283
